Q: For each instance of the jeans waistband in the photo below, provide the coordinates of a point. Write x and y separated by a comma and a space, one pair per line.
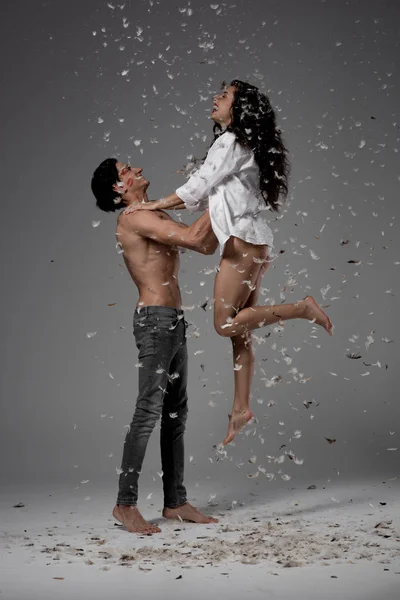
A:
158, 310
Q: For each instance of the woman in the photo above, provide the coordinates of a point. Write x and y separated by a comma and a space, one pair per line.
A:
243, 176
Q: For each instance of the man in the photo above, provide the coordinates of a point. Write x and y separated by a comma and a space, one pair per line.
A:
149, 243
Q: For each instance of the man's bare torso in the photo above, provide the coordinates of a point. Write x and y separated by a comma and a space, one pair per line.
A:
152, 266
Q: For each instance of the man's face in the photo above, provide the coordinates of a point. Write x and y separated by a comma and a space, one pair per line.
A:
130, 179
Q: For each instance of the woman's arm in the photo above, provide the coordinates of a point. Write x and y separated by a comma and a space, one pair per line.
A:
171, 198
224, 158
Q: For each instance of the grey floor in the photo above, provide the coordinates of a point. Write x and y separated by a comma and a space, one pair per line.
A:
338, 542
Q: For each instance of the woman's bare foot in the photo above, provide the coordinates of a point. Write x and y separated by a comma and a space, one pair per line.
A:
131, 518
314, 313
187, 512
237, 420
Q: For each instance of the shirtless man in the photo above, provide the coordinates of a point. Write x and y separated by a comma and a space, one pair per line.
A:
149, 243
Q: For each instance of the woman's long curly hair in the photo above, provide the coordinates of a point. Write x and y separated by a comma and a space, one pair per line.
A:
254, 125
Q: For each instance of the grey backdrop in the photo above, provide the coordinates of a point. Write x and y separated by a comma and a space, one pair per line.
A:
86, 80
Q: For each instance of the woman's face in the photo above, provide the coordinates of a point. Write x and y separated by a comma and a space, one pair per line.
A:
221, 113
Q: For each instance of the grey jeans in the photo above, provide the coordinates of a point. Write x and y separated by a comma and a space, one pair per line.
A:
160, 334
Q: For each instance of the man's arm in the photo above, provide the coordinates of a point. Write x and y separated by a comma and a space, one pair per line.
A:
199, 236
209, 241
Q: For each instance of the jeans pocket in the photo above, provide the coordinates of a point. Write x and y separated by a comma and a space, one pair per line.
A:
141, 322
167, 324
146, 343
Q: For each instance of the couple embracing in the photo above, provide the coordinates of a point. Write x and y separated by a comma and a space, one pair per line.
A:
243, 177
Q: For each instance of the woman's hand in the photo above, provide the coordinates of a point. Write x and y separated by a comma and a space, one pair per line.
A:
167, 203
151, 205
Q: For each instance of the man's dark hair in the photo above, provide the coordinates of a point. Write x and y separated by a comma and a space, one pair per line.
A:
104, 177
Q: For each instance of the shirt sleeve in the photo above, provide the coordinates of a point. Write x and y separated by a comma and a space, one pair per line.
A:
223, 159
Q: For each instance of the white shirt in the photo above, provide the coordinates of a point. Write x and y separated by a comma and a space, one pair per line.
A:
230, 179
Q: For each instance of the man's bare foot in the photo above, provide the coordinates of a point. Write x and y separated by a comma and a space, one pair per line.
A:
314, 313
237, 420
187, 512
131, 518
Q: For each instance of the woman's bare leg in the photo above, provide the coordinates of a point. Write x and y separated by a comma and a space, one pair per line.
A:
235, 315
243, 364
231, 315
261, 316
236, 287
